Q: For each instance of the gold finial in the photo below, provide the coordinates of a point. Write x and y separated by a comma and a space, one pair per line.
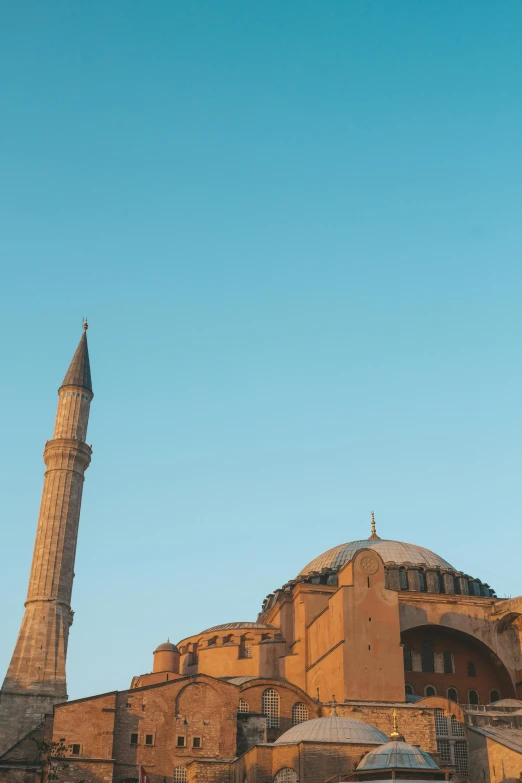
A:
395, 735
85, 324
374, 535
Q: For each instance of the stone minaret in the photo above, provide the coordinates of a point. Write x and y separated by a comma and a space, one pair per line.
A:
36, 678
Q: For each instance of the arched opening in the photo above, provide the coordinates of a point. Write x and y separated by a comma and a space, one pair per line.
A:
408, 689
430, 690
299, 713
473, 696
286, 775
270, 702
453, 694
446, 658
180, 775
494, 696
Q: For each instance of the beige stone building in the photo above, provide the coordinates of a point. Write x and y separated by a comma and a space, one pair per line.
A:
371, 635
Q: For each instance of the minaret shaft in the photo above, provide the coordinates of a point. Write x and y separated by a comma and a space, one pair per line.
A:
36, 677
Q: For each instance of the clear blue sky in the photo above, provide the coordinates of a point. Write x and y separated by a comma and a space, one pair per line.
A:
295, 229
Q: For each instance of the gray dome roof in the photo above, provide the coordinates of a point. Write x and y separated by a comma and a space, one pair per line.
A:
166, 647
229, 626
507, 703
395, 551
397, 755
333, 729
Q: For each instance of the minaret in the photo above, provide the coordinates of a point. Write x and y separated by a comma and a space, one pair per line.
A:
36, 678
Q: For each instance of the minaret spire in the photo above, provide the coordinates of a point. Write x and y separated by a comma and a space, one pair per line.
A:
374, 536
36, 679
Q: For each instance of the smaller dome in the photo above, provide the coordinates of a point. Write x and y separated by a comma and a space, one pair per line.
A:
508, 703
166, 647
397, 755
333, 729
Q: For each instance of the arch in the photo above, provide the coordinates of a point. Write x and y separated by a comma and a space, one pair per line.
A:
494, 695
299, 713
453, 694
212, 641
430, 690
409, 689
270, 707
180, 774
210, 702
243, 706
286, 775
473, 696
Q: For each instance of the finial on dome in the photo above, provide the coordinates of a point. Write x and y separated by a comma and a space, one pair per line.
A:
374, 536
396, 735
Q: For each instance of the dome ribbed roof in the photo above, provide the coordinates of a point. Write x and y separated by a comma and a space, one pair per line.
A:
397, 755
166, 647
228, 626
333, 729
395, 551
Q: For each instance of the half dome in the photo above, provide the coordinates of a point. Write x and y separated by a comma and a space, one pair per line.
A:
333, 729
397, 755
394, 551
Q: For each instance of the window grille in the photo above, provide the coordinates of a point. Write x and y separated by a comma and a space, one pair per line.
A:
271, 708
427, 657
430, 690
494, 696
443, 746
403, 579
473, 697
286, 775
472, 672
408, 659
448, 662
461, 757
457, 729
299, 713
180, 775
441, 724
243, 706
453, 694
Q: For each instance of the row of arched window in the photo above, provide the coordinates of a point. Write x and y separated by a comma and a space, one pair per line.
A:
453, 694
270, 706
445, 583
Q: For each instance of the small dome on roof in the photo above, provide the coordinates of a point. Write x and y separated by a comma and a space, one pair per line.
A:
397, 755
333, 729
166, 647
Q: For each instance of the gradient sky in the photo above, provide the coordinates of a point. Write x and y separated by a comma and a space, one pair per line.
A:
296, 231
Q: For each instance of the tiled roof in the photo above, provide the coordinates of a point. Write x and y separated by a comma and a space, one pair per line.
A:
333, 729
510, 738
79, 372
394, 551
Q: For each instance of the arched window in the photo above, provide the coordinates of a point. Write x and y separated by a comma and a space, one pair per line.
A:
403, 579
270, 702
212, 641
245, 648
453, 694
408, 689
286, 775
422, 581
299, 713
386, 579
494, 696
473, 697
180, 775
427, 657
408, 659
448, 662
472, 672
243, 706
429, 690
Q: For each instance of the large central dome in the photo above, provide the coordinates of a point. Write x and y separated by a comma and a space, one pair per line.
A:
394, 551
